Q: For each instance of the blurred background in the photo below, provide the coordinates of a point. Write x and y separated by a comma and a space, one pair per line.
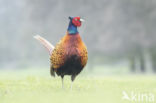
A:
120, 34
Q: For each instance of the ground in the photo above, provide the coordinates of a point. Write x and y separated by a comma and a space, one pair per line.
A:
28, 87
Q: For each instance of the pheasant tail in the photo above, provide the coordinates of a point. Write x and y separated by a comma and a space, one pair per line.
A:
45, 43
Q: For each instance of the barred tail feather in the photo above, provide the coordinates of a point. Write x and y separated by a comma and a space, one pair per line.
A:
45, 43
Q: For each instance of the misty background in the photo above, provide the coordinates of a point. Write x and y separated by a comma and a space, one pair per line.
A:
119, 34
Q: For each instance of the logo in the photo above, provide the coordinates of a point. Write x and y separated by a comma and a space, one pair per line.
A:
138, 97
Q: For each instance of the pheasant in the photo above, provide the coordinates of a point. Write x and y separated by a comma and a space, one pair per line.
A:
70, 55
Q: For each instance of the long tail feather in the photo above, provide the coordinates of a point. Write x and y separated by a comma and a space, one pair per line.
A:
45, 43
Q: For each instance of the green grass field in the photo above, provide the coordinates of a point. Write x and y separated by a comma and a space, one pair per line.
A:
38, 87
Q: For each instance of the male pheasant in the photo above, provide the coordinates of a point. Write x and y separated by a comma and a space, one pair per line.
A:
70, 55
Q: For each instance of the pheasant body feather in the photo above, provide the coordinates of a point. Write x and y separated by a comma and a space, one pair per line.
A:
69, 55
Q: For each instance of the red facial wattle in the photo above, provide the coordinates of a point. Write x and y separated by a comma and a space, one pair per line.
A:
76, 21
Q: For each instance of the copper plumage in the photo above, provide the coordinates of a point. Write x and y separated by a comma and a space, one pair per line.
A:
69, 56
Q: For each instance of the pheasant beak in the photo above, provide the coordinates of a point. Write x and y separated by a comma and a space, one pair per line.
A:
82, 20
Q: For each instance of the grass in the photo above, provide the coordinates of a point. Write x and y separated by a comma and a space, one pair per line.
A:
38, 87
